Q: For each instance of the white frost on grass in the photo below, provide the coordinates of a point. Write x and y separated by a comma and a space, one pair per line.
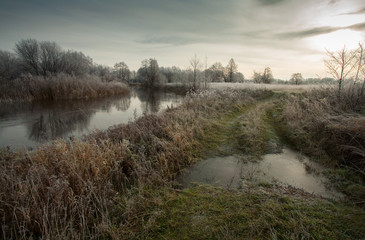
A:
273, 87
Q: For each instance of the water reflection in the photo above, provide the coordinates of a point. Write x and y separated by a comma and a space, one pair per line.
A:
57, 124
29, 124
287, 168
151, 99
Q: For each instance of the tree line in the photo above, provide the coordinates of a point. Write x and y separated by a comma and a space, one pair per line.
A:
42, 70
46, 58
152, 75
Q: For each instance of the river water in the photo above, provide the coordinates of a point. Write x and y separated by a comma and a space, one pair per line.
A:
26, 125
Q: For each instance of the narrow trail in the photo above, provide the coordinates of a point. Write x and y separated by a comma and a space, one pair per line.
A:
248, 152
248, 131
256, 209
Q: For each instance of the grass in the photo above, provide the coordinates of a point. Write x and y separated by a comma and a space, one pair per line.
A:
271, 87
329, 130
119, 183
79, 189
59, 87
206, 212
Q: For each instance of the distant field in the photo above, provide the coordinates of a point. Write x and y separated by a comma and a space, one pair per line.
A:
273, 87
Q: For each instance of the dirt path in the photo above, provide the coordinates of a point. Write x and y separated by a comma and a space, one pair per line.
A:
258, 210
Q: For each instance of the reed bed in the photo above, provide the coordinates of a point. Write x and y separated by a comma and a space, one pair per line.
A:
59, 87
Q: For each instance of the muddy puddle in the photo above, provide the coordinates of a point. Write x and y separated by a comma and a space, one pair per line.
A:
286, 168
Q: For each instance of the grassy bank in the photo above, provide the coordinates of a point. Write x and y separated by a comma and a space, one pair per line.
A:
61, 86
119, 184
329, 129
88, 188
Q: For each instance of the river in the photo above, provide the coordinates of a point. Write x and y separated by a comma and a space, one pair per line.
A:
27, 125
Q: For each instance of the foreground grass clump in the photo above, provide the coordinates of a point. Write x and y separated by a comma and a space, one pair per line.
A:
60, 86
101, 187
205, 212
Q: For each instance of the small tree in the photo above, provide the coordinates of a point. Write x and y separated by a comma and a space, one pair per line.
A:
216, 72
9, 64
76, 63
340, 64
296, 78
231, 69
195, 66
257, 78
239, 77
29, 54
122, 71
360, 73
149, 73
267, 76
50, 58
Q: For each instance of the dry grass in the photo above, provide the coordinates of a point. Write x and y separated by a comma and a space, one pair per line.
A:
330, 129
98, 188
329, 126
61, 86
270, 87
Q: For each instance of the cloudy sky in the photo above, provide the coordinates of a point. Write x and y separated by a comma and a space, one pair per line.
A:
287, 35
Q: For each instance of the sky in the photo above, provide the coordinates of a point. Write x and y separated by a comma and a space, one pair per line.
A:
289, 36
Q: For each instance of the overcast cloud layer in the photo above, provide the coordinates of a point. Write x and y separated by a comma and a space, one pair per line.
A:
287, 35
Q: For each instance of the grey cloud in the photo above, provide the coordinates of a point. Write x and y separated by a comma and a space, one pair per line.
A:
306, 33
270, 2
358, 27
168, 40
331, 2
318, 31
361, 11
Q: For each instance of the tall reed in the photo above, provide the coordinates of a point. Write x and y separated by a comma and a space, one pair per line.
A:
61, 86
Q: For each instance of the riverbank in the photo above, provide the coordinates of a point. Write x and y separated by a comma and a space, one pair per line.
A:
59, 87
30, 124
120, 184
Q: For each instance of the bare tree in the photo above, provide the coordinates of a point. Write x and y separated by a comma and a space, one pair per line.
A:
216, 72
257, 77
360, 73
122, 71
29, 53
50, 58
76, 63
104, 72
149, 72
231, 69
206, 72
8, 66
362, 67
267, 76
196, 66
296, 78
239, 77
47, 57
340, 64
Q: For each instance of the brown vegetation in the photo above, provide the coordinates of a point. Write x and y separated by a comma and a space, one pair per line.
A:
330, 129
60, 86
98, 187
